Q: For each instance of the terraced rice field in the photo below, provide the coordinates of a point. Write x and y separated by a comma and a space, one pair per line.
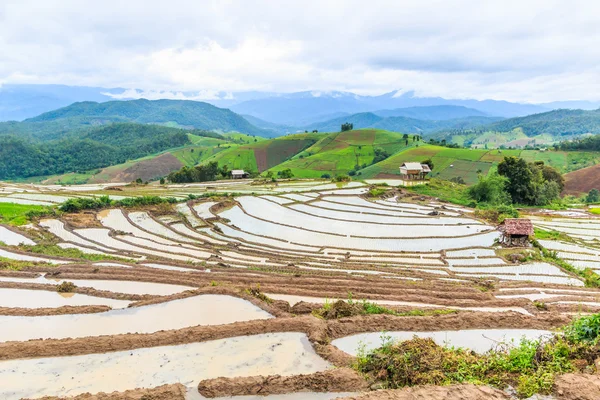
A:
182, 294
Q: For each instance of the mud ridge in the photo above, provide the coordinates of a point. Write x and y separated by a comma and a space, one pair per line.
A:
165, 392
335, 380
453, 392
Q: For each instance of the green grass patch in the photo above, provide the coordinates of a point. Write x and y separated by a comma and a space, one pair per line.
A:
595, 211
21, 214
530, 366
444, 190
56, 251
349, 308
16, 265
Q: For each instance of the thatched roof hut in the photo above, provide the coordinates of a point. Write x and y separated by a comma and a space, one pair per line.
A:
516, 231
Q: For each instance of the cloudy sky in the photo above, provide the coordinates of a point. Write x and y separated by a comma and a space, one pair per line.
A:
525, 50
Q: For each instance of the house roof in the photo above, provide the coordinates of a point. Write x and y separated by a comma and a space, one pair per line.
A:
426, 168
413, 166
237, 172
517, 226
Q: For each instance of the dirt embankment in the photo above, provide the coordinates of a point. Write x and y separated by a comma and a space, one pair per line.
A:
335, 380
454, 392
37, 312
319, 333
166, 392
577, 387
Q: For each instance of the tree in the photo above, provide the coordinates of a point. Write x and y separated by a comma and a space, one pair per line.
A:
379, 154
285, 174
490, 189
405, 136
347, 127
593, 196
520, 177
429, 162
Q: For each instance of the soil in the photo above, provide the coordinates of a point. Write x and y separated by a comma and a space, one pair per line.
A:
582, 181
454, 392
166, 392
335, 380
577, 387
36, 312
84, 219
148, 170
319, 332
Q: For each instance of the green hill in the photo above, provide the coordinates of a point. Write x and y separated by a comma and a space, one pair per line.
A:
172, 113
264, 154
468, 163
339, 153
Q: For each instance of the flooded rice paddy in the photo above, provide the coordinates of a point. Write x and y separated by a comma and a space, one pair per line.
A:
175, 314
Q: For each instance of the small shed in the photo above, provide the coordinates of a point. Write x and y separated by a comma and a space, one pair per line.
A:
238, 174
516, 231
414, 170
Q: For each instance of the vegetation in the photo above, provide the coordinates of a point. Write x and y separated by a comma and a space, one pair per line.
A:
66, 287
96, 203
96, 148
347, 127
530, 365
17, 265
593, 196
344, 309
21, 214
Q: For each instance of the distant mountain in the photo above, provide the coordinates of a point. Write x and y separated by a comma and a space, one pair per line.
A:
277, 129
432, 112
175, 113
292, 108
401, 124
555, 123
18, 102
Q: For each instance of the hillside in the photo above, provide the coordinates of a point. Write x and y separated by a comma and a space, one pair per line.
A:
533, 130
262, 155
583, 180
339, 153
468, 163
173, 113
97, 148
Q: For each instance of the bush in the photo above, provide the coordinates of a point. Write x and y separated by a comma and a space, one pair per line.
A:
342, 178
326, 176
76, 205
352, 173
66, 287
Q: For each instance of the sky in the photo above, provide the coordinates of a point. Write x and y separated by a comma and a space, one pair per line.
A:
526, 50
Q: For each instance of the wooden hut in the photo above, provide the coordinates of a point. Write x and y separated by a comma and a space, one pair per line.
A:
414, 171
516, 231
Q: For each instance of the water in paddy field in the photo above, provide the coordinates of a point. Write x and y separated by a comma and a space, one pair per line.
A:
25, 298
478, 340
265, 354
176, 314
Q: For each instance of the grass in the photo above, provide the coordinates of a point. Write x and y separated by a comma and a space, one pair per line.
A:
16, 265
595, 211
530, 366
21, 214
339, 153
551, 235
57, 251
445, 190
343, 309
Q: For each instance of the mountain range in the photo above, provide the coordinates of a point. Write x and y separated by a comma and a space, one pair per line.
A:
18, 102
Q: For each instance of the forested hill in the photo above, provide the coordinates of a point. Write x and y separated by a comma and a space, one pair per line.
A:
555, 123
95, 148
174, 113
400, 123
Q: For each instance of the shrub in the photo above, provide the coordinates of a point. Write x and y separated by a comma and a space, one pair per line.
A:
342, 178
66, 287
326, 176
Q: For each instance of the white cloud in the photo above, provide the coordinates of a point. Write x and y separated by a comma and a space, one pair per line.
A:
515, 50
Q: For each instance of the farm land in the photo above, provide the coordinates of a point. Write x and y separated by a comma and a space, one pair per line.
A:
285, 286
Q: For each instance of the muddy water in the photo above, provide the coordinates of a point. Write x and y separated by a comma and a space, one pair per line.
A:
479, 340
128, 287
176, 314
265, 354
24, 298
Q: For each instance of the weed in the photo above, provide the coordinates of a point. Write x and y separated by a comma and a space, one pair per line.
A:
256, 292
540, 305
66, 287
